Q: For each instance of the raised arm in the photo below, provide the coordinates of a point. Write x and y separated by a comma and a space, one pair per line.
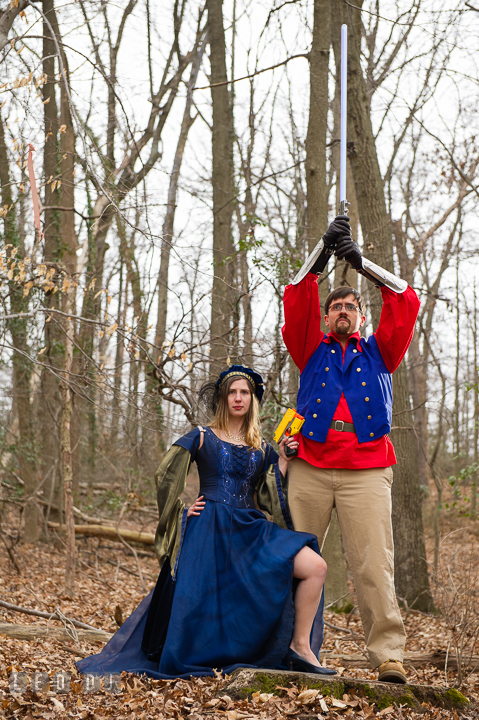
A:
302, 320
396, 325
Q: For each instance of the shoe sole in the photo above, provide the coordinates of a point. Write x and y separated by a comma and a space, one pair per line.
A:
393, 677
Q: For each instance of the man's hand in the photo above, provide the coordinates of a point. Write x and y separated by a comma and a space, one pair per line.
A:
347, 249
339, 229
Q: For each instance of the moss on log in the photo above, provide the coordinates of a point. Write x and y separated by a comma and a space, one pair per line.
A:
245, 681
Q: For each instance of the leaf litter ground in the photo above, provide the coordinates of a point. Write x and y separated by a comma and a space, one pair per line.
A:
108, 585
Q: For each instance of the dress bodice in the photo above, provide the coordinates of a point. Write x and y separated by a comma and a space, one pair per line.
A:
228, 472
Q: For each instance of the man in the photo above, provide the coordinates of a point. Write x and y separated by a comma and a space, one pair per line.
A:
345, 454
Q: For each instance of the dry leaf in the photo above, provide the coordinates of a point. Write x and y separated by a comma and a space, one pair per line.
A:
58, 704
307, 696
323, 706
338, 703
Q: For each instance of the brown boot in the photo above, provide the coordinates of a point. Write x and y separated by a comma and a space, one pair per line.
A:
392, 671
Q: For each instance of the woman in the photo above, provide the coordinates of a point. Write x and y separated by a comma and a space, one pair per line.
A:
225, 597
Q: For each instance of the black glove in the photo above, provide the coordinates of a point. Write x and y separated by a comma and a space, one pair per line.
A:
338, 230
347, 249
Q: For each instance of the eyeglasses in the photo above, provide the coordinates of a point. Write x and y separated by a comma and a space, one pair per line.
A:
349, 307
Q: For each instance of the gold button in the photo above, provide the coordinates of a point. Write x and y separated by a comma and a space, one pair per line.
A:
324, 384
354, 350
315, 416
327, 369
311, 434
318, 400
369, 417
358, 369
367, 399
363, 384
371, 434
333, 351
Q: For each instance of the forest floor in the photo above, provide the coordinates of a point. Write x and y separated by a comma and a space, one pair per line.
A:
107, 579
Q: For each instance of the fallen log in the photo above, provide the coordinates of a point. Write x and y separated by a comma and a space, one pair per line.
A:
32, 632
246, 681
109, 532
413, 659
46, 615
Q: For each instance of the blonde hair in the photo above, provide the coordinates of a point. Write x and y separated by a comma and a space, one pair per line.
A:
250, 428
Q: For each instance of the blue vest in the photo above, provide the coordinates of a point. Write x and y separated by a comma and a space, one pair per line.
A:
365, 381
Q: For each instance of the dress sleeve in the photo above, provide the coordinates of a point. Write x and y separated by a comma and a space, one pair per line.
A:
190, 442
271, 491
170, 482
302, 332
396, 325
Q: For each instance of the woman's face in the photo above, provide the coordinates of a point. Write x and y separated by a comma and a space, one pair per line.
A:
239, 398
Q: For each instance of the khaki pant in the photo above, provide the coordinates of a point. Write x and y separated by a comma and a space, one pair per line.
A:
362, 499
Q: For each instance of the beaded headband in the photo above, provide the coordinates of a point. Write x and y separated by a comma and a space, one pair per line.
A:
234, 374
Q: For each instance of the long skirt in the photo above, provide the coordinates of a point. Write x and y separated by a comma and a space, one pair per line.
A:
229, 605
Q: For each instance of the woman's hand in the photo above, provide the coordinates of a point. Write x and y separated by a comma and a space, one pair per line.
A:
292, 443
197, 506
284, 460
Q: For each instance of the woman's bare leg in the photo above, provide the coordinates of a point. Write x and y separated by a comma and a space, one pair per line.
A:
310, 569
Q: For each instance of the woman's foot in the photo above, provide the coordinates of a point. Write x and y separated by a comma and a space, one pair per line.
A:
306, 654
296, 662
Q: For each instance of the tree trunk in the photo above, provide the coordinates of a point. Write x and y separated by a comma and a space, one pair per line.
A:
120, 348
167, 242
53, 357
66, 456
222, 180
344, 274
317, 190
476, 411
411, 577
22, 367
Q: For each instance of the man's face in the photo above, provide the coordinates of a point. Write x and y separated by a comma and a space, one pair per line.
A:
342, 318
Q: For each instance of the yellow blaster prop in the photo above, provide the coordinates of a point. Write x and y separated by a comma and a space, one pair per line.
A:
291, 424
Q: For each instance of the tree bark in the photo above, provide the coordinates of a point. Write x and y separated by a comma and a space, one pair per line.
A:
22, 367
32, 632
53, 357
110, 532
69, 258
223, 201
344, 274
317, 191
411, 577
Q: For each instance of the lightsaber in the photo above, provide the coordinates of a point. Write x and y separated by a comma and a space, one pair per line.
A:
343, 203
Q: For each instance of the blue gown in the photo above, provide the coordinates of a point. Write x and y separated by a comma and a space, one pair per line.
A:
229, 601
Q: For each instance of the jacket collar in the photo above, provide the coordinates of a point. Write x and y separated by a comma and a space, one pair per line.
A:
355, 338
